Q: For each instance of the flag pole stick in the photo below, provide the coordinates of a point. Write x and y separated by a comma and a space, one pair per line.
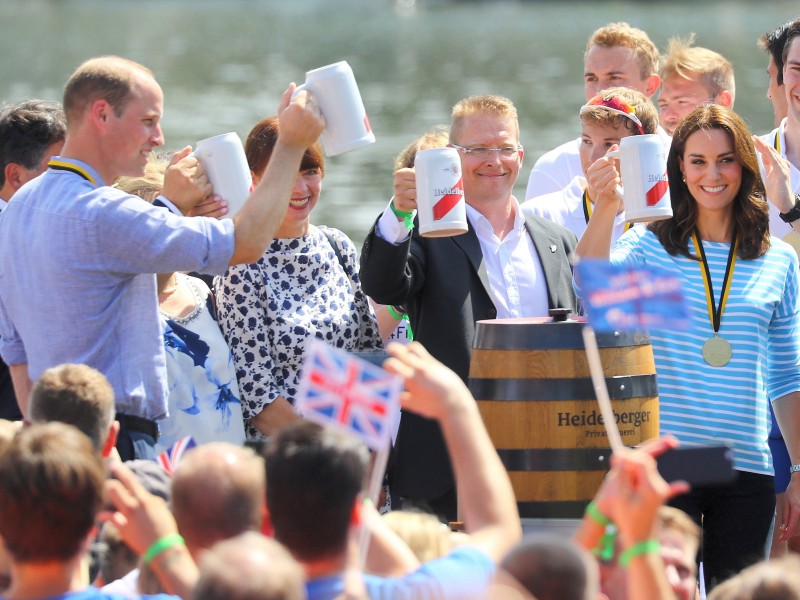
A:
600, 389
373, 492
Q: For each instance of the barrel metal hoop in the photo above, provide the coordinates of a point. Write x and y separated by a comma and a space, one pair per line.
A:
494, 335
555, 459
622, 387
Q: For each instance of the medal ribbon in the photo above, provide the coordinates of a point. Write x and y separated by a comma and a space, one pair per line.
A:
60, 165
777, 143
587, 210
714, 311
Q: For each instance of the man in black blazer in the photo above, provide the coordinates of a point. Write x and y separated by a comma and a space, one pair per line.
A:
30, 133
506, 265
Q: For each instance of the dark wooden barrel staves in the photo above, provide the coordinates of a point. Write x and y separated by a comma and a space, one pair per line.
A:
534, 390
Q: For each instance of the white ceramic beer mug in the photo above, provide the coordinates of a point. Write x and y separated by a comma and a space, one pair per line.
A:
643, 168
335, 91
441, 208
225, 164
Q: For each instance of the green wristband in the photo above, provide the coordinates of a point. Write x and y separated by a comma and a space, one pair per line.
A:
394, 312
408, 217
162, 544
638, 549
595, 515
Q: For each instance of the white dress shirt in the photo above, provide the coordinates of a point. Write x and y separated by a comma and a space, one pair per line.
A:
516, 280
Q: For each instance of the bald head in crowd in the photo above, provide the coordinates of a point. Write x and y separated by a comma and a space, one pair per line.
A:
218, 492
250, 567
552, 568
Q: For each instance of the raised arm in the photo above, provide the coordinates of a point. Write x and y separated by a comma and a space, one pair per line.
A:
630, 497
149, 529
777, 179
258, 220
602, 179
486, 498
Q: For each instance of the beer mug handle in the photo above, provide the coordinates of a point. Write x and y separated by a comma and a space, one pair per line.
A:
620, 189
298, 89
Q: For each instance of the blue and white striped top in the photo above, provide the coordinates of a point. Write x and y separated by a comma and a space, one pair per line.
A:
701, 404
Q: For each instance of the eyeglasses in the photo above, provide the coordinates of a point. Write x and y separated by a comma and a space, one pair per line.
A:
615, 105
484, 152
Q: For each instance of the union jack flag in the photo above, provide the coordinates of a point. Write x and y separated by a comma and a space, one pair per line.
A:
348, 393
170, 458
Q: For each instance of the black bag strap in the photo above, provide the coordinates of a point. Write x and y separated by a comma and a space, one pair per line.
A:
336, 251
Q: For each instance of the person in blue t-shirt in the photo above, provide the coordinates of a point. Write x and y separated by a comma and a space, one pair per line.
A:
315, 477
51, 491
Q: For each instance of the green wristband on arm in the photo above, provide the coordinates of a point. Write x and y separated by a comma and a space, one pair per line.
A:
161, 545
638, 549
408, 217
595, 515
394, 312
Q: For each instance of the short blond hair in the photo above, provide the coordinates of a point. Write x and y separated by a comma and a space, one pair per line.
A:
644, 109
425, 535
710, 68
109, 78
622, 34
436, 137
78, 395
498, 106
671, 518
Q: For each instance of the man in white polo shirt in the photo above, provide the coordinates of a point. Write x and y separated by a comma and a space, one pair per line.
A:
617, 55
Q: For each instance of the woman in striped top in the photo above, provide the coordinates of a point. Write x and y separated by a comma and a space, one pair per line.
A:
742, 348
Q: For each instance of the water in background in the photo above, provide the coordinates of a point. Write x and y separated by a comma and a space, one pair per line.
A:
224, 64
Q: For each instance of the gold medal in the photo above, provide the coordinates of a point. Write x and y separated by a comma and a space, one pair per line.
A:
717, 351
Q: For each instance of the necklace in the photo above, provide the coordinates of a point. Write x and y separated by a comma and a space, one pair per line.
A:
168, 291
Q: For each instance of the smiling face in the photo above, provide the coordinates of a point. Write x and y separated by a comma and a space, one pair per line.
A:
678, 556
712, 170
678, 97
305, 193
131, 136
791, 80
611, 66
488, 179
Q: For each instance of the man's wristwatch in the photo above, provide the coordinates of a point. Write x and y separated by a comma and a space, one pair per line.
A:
794, 212
794, 469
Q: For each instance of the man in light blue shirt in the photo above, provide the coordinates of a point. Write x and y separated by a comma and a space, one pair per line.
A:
77, 258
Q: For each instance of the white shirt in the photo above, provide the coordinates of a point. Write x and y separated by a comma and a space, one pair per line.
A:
565, 208
776, 225
554, 170
517, 286
516, 283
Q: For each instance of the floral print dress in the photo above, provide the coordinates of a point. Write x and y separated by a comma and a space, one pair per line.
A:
298, 290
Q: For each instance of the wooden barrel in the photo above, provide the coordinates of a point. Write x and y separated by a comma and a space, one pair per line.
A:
534, 390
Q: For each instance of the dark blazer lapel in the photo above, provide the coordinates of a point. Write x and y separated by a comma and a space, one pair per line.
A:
547, 246
471, 246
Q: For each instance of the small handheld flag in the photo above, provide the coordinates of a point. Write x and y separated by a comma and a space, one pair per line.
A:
169, 459
631, 297
348, 393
